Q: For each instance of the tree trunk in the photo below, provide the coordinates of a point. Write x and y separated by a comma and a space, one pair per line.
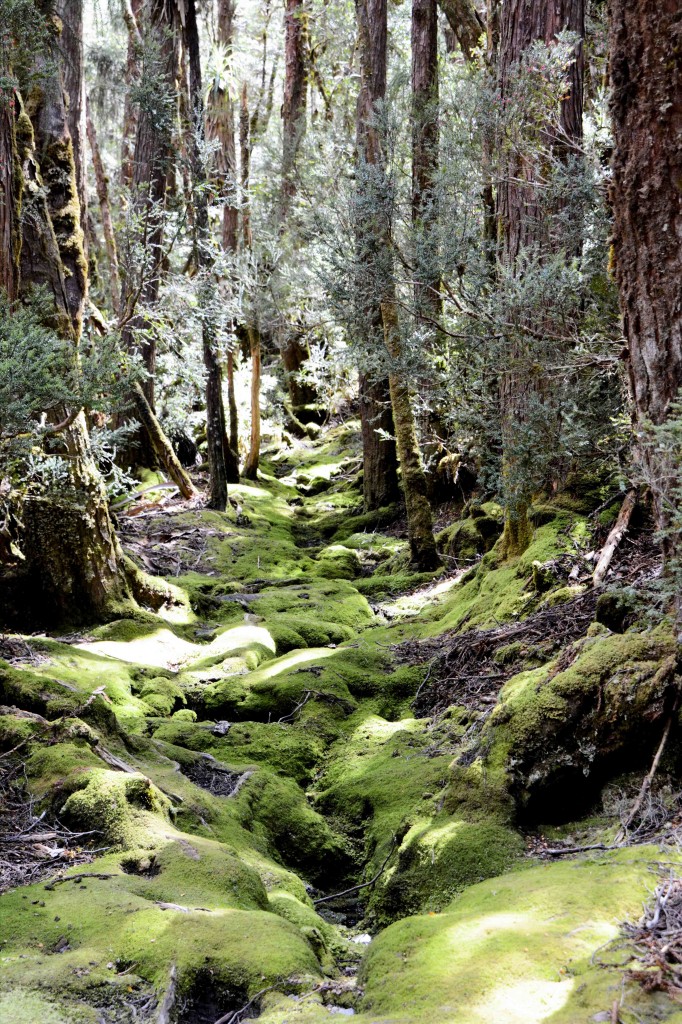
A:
424, 555
646, 196
218, 447
131, 13
72, 553
250, 470
295, 95
465, 22
425, 156
221, 127
10, 198
102, 185
151, 162
70, 13
380, 469
525, 225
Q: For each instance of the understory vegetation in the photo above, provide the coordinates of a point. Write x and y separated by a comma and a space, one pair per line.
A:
340, 512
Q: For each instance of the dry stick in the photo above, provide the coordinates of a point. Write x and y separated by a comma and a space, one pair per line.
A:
168, 998
646, 785
356, 888
615, 537
615, 1012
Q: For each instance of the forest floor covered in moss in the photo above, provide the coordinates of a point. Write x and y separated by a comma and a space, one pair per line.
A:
183, 793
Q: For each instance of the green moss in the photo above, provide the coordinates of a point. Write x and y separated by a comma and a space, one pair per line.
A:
126, 810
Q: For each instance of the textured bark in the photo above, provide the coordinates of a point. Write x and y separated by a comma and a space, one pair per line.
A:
102, 186
70, 13
295, 94
524, 223
218, 447
73, 556
10, 199
465, 22
131, 12
425, 153
380, 468
151, 162
424, 555
645, 43
160, 445
253, 458
646, 110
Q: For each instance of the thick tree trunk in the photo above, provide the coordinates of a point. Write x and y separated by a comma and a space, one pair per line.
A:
645, 42
424, 555
218, 447
102, 186
71, 549
525, 225
380, 468
131, 13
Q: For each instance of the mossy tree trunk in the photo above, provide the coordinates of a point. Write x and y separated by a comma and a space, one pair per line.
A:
71, 549
525, 227
253, 458
465, 23
380, 466
10, 197
423, 551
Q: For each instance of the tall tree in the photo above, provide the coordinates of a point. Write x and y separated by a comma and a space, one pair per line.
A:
646, 108
219, 455
245, 135
527, 229
141, 277
221, 127
70, 14
72, 554
425, 153
380, 466
375, 252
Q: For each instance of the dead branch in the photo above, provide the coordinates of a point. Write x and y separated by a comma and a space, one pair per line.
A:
363, 885
615, 537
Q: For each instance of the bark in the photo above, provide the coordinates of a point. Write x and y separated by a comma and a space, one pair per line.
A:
425, 154
646, 79
645, 42
465, 22
70, 13
10, 198
295, 95
102, 186
234, 416
380, 469
131, 13
218, 447
151, 162
424, 555
525, 225
253, 458
160, 445
71, 549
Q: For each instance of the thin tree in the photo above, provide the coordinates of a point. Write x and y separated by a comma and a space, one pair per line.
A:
250, 470
102, 188
218, 447
380, 465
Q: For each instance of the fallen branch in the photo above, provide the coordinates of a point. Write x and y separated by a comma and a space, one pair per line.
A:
77, 878
234, 1015
614, 538
646, 785
168, 998
363, 885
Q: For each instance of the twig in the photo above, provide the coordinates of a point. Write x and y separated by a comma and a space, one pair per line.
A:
77, 878
356, 888
231, 1017
652, 771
